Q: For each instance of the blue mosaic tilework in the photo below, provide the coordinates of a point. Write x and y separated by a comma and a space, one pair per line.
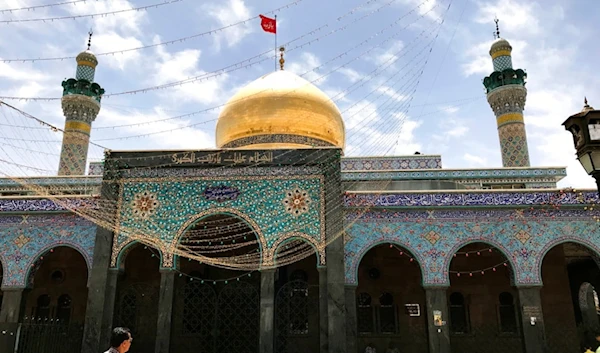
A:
24, 238
85, 72
392, 163
433, 236
502, 63
96, 168
44, 205
221, 172
469, 198
51, 181
177, 202
450, 174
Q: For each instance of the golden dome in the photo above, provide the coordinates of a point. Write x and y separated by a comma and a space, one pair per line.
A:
280, 110
87, 58
500, 46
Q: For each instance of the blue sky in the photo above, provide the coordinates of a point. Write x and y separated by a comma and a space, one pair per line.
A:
396, 96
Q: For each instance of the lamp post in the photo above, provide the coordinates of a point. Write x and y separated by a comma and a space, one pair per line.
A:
585, 128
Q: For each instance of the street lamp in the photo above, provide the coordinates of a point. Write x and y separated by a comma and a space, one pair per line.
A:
585, 127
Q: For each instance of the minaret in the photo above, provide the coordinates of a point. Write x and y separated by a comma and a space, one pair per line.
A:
506, 94
80, 105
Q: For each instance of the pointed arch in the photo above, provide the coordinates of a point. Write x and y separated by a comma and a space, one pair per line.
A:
262, 243
42, 251
513, 268
126, 247
354, 261
587, 244
271, 256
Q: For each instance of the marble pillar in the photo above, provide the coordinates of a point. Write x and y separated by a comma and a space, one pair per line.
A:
323, 321
437, 319
267, 311
95, 314
532, 319
351, 320
109, 306
334, 256
11, 305
165, 308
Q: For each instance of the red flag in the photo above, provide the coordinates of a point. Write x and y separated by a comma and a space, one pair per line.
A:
268, 24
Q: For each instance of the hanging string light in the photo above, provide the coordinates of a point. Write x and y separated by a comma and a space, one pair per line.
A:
101, 14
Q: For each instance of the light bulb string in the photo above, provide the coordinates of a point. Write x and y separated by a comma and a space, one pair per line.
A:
101, 14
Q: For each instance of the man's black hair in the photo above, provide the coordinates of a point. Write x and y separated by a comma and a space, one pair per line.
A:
119, 335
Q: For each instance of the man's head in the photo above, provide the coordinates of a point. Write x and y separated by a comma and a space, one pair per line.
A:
121, 339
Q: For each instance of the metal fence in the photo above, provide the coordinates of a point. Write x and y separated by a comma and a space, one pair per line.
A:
40, 336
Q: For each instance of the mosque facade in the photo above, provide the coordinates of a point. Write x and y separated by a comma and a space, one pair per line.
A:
403, 255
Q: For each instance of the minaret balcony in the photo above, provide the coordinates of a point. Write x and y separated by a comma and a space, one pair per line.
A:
504, 78
83, 87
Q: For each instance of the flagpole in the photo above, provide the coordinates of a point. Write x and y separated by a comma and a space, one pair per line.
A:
275, 42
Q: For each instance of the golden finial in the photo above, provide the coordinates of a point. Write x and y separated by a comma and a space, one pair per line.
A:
586, 106
90, 39
281, 59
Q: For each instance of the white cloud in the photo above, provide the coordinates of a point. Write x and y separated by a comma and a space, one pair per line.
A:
475, 161
306, 66
226, 13
515, 16
350, 74
182, 65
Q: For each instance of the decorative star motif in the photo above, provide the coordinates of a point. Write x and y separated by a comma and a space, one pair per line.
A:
144, 204
432, 237
296, 202
21, 241
522, 236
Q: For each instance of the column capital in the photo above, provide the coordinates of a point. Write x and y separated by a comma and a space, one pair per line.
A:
430, 288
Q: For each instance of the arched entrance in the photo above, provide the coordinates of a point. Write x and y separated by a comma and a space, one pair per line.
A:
390, 301
482, 303
570, 275
297, 325
55, 302
217, 309
136, 303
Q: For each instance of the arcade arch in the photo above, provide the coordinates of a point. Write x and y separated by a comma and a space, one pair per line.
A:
57, 286
482, 302
570, 276
217, 308
390, 301
136, 302
297, 315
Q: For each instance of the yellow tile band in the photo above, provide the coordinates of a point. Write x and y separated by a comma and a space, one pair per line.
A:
78, 125
509, 118
503, 52
86, 63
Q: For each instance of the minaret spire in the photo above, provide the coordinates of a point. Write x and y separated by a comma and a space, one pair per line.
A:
81, 104
91, 32
497, 33
506, 94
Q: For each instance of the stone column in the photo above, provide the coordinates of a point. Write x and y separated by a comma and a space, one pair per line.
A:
438, 332
267, 311
11, 305
323, 321
532, 319
351, 320
334, 255
95, 314
110, 297
165, 308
